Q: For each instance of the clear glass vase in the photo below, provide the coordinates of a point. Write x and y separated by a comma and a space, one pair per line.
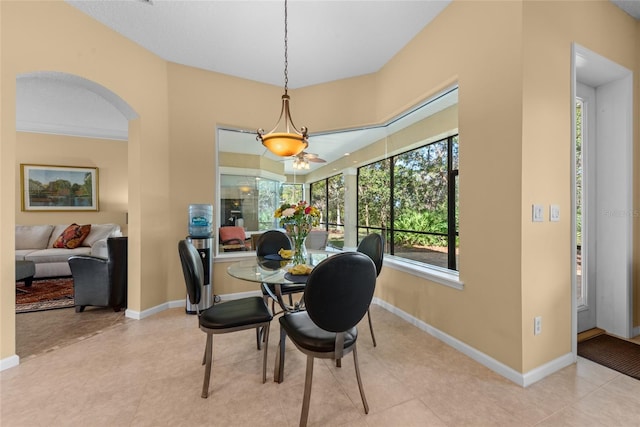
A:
300, 250
298, 235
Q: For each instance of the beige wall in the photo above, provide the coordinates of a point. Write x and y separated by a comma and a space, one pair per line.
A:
53, 36
109, 156
550, 30
511, 60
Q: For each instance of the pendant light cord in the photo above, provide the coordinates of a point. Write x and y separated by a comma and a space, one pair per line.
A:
286, 56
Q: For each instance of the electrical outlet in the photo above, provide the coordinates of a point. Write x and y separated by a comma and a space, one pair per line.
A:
537, 325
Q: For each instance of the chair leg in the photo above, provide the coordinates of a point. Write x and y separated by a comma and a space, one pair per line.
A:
209, 361
304, 416
265, 331
258, 336
373, 337
278, 374
355, 363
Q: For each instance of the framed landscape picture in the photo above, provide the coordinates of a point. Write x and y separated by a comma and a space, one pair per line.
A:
58, 188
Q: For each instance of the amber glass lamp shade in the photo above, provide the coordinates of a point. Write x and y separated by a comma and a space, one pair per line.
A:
284, 139
284, 144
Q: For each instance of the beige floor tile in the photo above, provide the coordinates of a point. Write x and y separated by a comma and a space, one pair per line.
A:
149, 373
413, 413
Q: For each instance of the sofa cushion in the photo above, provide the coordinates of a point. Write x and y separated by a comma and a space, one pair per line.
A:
22, 253
100, 232
33, 236
72, 236
55, 254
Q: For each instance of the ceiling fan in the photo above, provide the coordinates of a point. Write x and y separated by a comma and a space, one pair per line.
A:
301, 161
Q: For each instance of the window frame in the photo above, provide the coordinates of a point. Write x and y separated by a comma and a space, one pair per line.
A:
450, 274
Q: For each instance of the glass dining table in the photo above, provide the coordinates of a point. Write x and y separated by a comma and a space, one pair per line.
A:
272, 269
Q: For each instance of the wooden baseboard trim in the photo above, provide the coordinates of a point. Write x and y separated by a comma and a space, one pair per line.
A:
586, 335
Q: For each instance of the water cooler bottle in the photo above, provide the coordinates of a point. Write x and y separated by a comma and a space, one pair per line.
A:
204, 246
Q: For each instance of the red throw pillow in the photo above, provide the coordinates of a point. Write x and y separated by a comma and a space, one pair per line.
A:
73, 236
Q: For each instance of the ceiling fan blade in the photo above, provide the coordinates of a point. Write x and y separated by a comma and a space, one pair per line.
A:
309, 155
316, 160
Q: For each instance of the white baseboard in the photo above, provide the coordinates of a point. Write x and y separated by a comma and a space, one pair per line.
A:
138, 315
9, 362
521, 379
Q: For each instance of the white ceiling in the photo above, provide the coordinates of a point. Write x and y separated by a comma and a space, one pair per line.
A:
632, 7
327, 40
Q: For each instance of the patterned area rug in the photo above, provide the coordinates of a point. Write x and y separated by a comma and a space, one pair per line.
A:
615, 353
44, 294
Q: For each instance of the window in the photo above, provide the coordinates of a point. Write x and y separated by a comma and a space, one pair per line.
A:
291, 193
328, 196
249, 201
412, 199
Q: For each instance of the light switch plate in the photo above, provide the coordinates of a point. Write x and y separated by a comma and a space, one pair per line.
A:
554, 213
537, 214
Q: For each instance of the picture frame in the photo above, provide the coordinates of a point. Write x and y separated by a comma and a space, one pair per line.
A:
58, 188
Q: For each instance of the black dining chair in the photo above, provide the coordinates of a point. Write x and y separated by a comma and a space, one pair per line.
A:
373, 246
222, 318
337, 296
269, 243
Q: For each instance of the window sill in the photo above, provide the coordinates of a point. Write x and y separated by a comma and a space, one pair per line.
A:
234, 256
438, 275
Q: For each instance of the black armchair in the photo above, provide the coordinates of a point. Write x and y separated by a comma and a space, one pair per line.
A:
101, 281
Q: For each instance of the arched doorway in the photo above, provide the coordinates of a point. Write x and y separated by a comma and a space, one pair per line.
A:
53, 107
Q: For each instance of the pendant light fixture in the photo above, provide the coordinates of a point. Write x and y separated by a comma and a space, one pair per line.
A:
284, 139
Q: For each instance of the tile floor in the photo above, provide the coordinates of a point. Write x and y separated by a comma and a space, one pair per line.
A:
43, 331
148, 373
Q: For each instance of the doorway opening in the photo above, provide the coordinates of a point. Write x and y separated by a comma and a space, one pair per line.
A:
602, 242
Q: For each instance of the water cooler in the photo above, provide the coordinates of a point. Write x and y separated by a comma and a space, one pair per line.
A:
204, 246
200, 235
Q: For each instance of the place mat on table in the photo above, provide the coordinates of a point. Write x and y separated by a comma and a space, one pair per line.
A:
275, 257
296, 278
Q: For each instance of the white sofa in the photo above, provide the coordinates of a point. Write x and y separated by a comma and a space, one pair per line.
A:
35, 243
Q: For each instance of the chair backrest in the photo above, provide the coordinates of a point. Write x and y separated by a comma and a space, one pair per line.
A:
373, 246
317, 239
118, 268
254, 240
271, 241
339, 290
192, 269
